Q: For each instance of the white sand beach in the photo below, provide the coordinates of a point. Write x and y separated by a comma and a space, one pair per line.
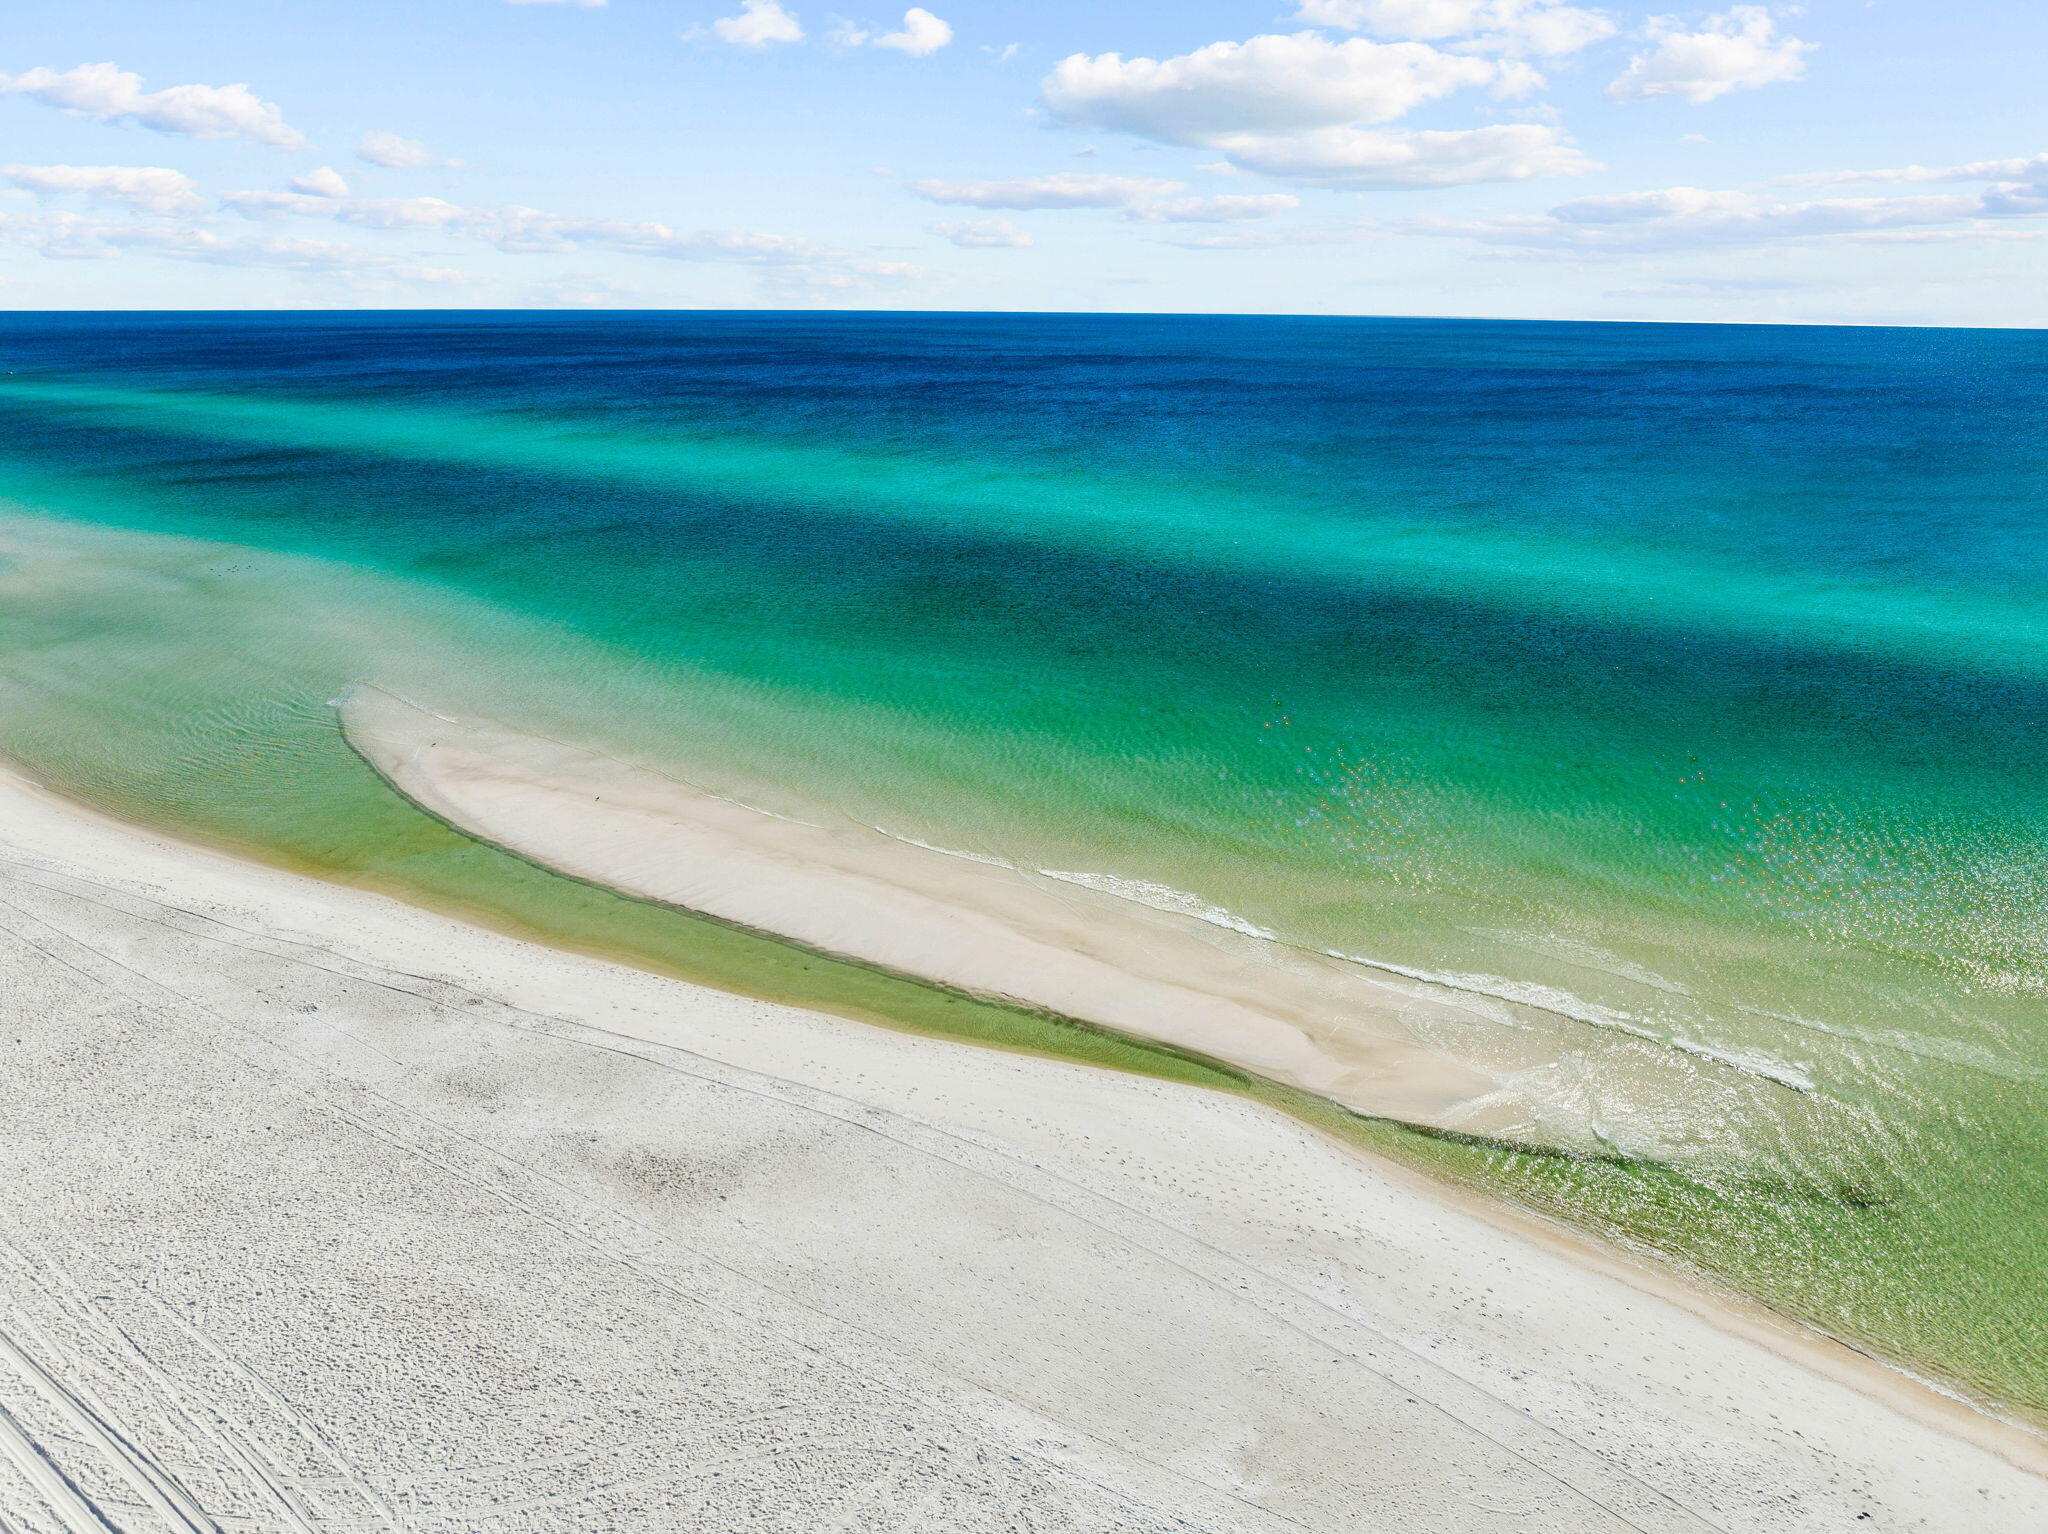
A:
323, 1212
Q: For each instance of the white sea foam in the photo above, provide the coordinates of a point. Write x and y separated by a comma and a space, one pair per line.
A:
1582, 955
1549, 999
1524, 993
951, 852
1543, 998
1160, 897
1951, 1051
1163, 897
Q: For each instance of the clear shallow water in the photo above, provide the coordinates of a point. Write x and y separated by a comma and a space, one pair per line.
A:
1690, 680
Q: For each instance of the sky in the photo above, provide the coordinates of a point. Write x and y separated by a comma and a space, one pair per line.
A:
1842, 162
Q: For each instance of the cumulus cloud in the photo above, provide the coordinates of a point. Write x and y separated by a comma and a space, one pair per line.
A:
111, 94
146, 188
1302, 108
759, 23
1482, 26
1365, 159
1736, 51
324, 182
1265, 85
921, 33
1066, 189
984, 233
395, 153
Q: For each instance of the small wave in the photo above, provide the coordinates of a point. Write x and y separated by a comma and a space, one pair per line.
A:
951, 852
1919, 1045
1541, 998
1581, 955
1544, 998
1163, 897
1160, 897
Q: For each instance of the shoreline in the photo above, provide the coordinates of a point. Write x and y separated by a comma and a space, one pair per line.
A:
1386, 1043
1699, 1293
750, 1035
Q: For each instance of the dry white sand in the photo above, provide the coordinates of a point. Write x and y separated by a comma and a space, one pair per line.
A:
322, 1212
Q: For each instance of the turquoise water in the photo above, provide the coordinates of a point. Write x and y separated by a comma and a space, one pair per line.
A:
1689, 680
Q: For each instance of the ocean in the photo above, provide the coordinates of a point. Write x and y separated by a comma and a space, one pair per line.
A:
1685, 683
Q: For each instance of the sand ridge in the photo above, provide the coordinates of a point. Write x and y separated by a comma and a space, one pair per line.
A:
1394, 1046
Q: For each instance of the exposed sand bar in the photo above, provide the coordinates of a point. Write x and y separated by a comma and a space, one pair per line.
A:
324, 1213
1389, 1045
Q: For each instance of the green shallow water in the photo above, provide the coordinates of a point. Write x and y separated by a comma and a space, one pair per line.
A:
1687, 681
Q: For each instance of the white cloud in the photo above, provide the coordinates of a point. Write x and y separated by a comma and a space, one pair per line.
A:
367, 212
1975, 235
580, 290
1345, 159
395, 153
67, 236
2026, 168
1356, 234
922, 33
108, 93
1066, 189
1691, 218
1485, 26
983, 233
76, 237
1736, 51
324, 182
1365, 159
1265, 85
1298, 108
1141, 197
531, 231
1710, 287
317, 256
759, 23
1214, 210
146, 188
